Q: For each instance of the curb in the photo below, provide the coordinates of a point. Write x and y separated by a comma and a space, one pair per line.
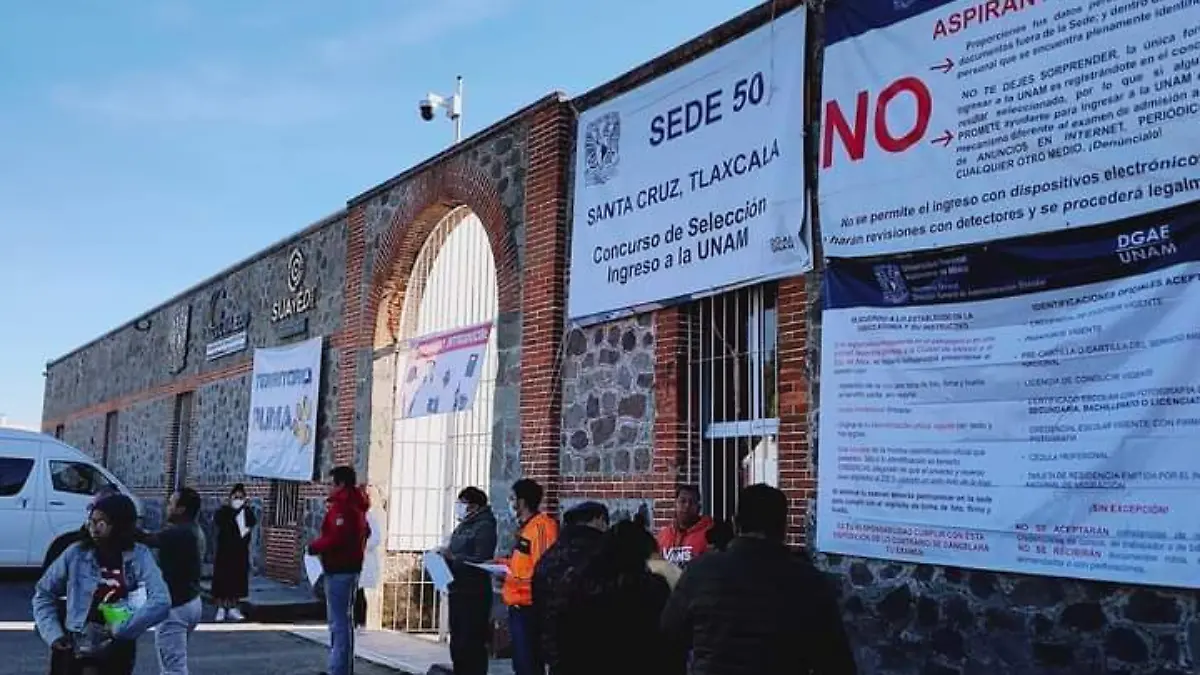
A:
322, 638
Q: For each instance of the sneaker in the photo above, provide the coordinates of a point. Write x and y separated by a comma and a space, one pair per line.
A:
235, 615
220, 616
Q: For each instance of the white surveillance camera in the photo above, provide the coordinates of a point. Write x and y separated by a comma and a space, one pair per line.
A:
426, 109
429, 106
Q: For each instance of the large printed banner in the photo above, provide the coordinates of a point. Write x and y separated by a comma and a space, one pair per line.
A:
281, 441
441, 373
1029, 407
694, 181
949, 123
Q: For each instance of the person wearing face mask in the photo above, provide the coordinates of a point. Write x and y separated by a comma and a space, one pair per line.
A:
234, 523
473, 541
536, 534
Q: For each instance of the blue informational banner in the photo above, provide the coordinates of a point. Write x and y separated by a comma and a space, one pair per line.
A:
1030, 406
1019, 266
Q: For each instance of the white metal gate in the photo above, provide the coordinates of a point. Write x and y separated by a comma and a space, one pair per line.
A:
453, 285
733, 395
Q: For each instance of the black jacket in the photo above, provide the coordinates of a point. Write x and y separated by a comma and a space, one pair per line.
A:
757, 609
575, 546
180, 552
473, 541
607, 623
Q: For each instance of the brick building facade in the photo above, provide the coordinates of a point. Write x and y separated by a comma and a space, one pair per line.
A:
600, 412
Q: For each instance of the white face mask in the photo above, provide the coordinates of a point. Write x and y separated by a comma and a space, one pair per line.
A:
237, 503
460, 510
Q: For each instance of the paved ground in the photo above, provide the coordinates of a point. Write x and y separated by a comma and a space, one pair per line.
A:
217, 649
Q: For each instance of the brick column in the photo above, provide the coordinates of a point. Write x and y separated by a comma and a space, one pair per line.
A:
353, 339
671, 420
796, 476
544, 294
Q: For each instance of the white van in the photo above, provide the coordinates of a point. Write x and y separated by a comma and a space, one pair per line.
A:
45, 489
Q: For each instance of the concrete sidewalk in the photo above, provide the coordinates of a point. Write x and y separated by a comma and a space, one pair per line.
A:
402, 652
272, 601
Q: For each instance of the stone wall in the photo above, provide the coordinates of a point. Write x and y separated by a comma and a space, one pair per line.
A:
130, 372
618, 508
608, 399
139, 458
131, 363
919, 619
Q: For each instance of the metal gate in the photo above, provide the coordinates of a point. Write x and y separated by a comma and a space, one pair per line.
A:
453, 285
733, 395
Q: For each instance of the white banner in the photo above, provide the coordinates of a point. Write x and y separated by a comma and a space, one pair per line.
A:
282, 439
953, 122
694, 181
1049, 432
441, 372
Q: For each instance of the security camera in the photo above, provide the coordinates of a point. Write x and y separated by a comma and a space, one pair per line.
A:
427, 109
429, 106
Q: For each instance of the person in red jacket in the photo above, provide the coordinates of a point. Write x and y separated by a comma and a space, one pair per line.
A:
687, 537
341, 547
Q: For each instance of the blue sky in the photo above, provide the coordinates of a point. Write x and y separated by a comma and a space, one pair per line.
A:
147, 145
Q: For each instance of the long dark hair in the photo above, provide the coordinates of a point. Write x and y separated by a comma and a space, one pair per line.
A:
122, 520
626, 549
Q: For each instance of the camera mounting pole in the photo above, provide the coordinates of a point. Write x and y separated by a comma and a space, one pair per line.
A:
451, 104
455, 111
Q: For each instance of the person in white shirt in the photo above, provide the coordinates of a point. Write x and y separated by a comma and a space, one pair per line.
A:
369, 579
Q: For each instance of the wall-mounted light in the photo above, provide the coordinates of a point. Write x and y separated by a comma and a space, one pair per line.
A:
142, 325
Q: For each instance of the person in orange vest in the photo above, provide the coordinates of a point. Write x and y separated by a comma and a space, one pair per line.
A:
687, 537
537, 533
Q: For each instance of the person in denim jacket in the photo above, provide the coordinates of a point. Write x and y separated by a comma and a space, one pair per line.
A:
106, 567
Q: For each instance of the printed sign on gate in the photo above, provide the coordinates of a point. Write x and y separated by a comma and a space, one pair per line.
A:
953, 122
441, 373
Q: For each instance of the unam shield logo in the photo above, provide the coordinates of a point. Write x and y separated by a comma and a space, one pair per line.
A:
602, 148
891, 282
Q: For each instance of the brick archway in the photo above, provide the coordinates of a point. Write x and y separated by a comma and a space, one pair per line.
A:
430, 198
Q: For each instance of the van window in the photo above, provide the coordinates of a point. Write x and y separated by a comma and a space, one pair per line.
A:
77, 478
14, 471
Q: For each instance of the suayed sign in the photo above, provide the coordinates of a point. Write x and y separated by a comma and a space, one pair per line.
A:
300, 298
695, 181
1027, 406
954, 122
442, 371
281, 439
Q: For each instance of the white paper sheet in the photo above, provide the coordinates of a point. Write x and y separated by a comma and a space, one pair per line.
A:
312, 567
439, 571
492, 568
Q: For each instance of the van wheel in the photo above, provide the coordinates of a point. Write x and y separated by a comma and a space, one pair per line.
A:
57, 547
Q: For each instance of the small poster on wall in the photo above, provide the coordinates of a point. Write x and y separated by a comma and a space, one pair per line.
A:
441, 372
281, 441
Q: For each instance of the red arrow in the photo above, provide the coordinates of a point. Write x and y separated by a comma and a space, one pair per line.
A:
944, 66
944, 139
